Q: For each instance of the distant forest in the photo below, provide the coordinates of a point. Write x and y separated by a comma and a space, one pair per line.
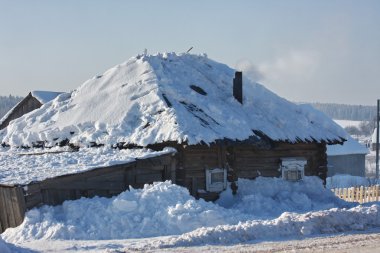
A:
347, 112
7, 102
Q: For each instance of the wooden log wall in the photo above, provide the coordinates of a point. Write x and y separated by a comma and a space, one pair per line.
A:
104, 182
12, 207
192, 164
250, 162
246, 161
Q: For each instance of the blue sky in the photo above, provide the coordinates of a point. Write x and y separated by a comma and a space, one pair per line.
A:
313, 51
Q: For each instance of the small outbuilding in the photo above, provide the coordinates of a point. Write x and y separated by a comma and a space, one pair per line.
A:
34, 100
348, 158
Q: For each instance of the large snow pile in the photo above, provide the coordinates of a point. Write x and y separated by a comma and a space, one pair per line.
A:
21, 167
4, 247
287, 225
167, 209
168, 97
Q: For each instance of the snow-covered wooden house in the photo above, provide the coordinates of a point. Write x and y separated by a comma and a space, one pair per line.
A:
34, 100
348, 158
221, 125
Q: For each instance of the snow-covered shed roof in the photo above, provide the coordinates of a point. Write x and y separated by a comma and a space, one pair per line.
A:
349, 147
23, 168
42, 96
169, 97
45, 96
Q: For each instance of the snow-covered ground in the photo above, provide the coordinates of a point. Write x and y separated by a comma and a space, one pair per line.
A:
165, 216
348, 123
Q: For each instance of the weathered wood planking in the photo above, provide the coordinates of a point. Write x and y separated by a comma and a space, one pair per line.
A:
12, 206
105, 182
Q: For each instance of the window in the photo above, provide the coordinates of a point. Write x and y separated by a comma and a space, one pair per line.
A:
216, 180
293, 168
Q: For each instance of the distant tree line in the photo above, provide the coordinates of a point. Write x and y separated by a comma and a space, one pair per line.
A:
7, 102
364, 113
347, 112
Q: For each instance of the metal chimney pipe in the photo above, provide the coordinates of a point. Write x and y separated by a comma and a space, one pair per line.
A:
238, 86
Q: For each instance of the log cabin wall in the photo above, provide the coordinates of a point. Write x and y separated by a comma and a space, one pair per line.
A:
245, 161
250, 162
192, 162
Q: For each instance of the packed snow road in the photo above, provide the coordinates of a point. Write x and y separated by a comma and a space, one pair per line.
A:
351, 243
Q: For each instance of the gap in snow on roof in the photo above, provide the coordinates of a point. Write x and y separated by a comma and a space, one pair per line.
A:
147, 100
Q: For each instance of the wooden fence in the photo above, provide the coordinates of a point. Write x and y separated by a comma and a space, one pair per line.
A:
358, 194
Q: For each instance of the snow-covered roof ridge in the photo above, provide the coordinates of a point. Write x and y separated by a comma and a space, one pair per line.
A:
349, 147
45, 96
170, 97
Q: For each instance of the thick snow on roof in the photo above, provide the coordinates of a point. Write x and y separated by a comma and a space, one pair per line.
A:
18, 167
45, 96
349, 147
42, 96
169, 97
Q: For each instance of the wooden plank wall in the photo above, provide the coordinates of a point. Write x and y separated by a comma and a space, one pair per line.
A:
104, 182
12, 207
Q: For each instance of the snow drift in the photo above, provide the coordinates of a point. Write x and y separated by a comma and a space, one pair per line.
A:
168, 209
4, 247
168, 97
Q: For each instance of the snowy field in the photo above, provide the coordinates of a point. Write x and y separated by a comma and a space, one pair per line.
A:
348, 123
163, 216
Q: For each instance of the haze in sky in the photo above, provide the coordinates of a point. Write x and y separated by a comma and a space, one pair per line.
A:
310, 51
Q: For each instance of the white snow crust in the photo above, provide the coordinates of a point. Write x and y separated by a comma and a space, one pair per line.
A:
351, 146
20, 167
149, 99
301, 208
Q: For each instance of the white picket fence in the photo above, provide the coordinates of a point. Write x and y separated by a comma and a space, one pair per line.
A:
358, 194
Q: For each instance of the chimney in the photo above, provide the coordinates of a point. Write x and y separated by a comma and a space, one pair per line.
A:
238, 86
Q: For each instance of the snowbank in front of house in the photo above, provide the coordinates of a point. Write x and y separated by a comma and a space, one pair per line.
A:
168, 97
18, 166
262, 206
4, 247
10, 248
287, 225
